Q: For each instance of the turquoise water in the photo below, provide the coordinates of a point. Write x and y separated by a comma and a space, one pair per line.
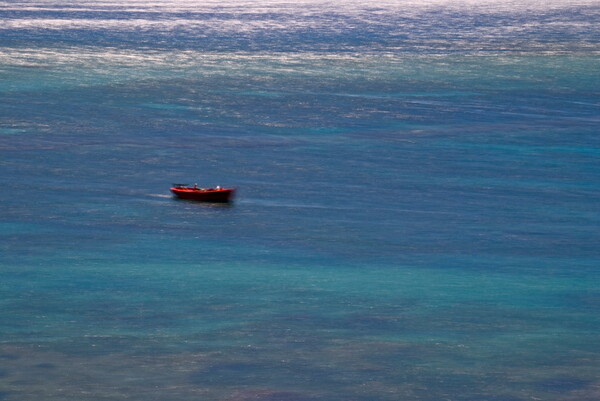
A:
416, 217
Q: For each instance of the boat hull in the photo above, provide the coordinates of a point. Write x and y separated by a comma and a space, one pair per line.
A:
220, 195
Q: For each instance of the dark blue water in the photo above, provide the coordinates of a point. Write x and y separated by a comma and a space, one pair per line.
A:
416, 218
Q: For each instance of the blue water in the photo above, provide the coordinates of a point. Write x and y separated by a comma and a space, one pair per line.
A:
417, 215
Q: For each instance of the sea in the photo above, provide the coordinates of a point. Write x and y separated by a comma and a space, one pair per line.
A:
417, 215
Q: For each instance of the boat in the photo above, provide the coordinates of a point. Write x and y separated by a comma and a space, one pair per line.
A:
216, 195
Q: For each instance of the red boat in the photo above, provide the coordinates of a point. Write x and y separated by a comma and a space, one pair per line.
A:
218, 194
